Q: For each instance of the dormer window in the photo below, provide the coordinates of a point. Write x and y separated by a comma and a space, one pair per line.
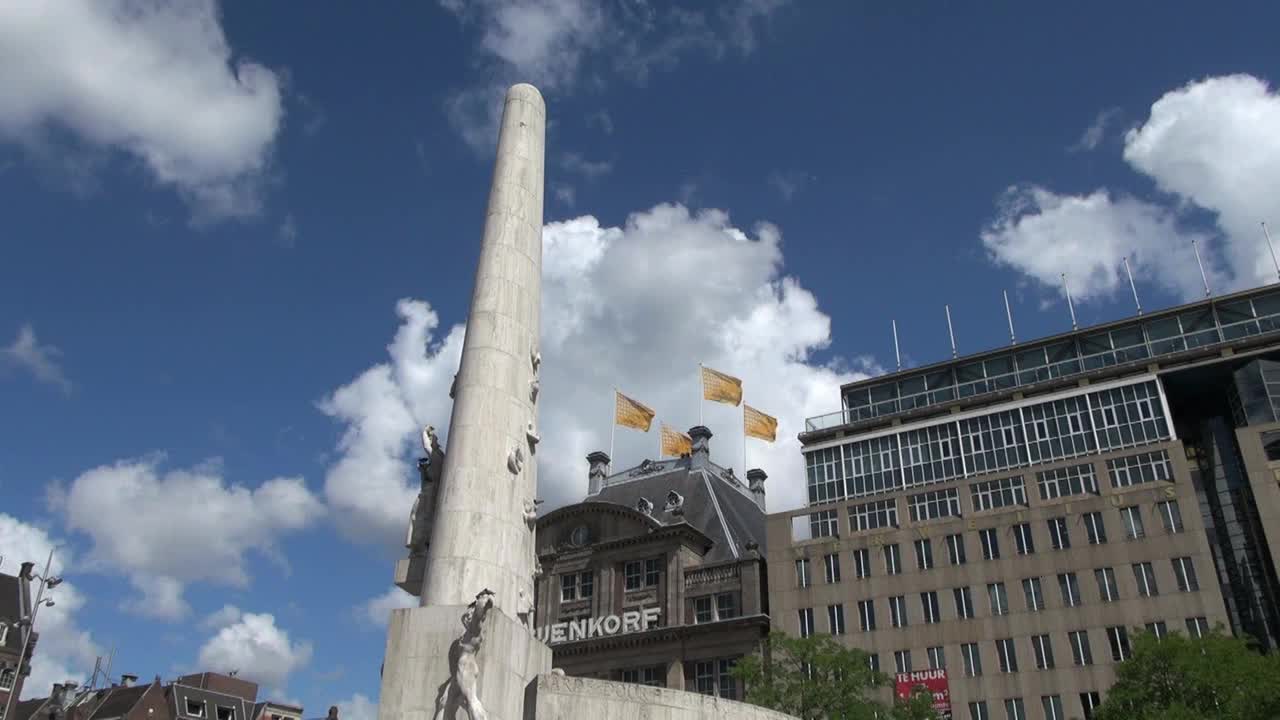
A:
195, 708
7, 679
225, 713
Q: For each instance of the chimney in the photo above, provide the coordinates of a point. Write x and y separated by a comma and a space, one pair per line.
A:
599, 463
701, 455
755, 482
127, 680
333, 713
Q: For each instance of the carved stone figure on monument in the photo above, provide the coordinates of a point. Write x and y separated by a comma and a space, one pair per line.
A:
459, 691
532, 436
524, 608
645, 506
535, 358
423, 513
533, 390
515, 461
531, 520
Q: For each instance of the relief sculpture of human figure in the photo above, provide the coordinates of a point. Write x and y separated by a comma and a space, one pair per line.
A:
459, 691
531, 520
423, 512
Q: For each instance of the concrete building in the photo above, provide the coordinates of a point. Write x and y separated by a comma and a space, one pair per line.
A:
15, 604
657, 576
1013, 516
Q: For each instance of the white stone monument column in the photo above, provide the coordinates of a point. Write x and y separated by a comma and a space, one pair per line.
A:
461, 648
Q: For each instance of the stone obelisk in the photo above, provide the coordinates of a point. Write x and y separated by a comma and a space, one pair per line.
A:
466, 644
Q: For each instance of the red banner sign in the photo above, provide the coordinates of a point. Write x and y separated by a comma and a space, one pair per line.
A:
934, 681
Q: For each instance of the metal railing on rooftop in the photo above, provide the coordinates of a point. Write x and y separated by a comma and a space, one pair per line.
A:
1217, 335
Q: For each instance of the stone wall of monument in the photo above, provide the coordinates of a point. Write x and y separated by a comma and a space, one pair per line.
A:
558, 697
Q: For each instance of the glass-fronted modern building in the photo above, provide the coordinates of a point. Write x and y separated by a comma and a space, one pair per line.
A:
1014, 516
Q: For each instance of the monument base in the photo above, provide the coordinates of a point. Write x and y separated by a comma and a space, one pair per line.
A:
421, 660
557, 697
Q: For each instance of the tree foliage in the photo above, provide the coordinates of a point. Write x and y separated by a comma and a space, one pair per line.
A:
817, 678
1181, 678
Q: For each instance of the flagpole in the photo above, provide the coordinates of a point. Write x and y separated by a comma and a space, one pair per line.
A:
613, 427
1132, 286
744, 440
1013, 339
1070, 306
1195, 247
1271, 248
700, 393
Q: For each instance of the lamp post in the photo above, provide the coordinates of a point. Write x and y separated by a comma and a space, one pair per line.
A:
28, 623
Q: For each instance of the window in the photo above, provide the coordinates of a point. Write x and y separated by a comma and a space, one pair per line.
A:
898, 611
867, 615
1131, 516
902, 660
633, 574
1033, 593
937, 659
802, 573
652, 572
824, 523
990, 544
726, 606
892, 559
1170, 516
1070, 588
929, 606
872, 515
826, 474
224, 712
1185, 572
1197, 627
195, 708
1052, 707
978, 710
929, 454
873, 662
994, 494
1141, 468
703, 610
924, 554
1120, 415
955, 549
964, 602
972, 659
1014, 710
1008, 655
712, 678
831, 566
999, 598
1081, 653
7, 679
1158, 628
1107, 589
1023, 542
576, 586
1118, 638
835, 619
1145, 576
1094, 528
1043, 648
934, 505
652, 676
862, 563
1089, 702
1067, 481
806, 622
1058, 537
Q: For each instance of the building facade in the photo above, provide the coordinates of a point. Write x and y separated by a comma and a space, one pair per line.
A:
1014, 517
15, 606
199, 696
657, 576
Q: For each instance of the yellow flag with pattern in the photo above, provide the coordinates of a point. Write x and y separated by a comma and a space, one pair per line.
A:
759, 425
720, 387
675, 443
630, 413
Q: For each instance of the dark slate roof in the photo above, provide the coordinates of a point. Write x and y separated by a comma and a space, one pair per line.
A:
715, 502
25, 709
119, 701
11, 609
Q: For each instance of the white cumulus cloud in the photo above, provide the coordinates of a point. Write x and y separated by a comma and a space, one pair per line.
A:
638, 307
155, 79
257, 649
377, 610
1212, 145
358, 707
65, 651
199, 527
41, 361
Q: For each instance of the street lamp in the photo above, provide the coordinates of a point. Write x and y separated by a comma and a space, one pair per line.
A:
28, 624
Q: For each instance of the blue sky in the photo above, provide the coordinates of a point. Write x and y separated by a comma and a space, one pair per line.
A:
239, 240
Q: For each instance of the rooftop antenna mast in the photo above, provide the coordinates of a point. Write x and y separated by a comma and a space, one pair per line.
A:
1267, 234
1013, 339
951, 331
1132, 286
1070, 305
896, 353
1195, 247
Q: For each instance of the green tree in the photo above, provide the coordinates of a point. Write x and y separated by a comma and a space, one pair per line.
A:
1181, 678
817, 678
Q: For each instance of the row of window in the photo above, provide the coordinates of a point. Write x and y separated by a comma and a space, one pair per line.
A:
1024, 542
636, 574
710, 608
1074, 426
996, 494
1184, 573
1015, 709
1041, 649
